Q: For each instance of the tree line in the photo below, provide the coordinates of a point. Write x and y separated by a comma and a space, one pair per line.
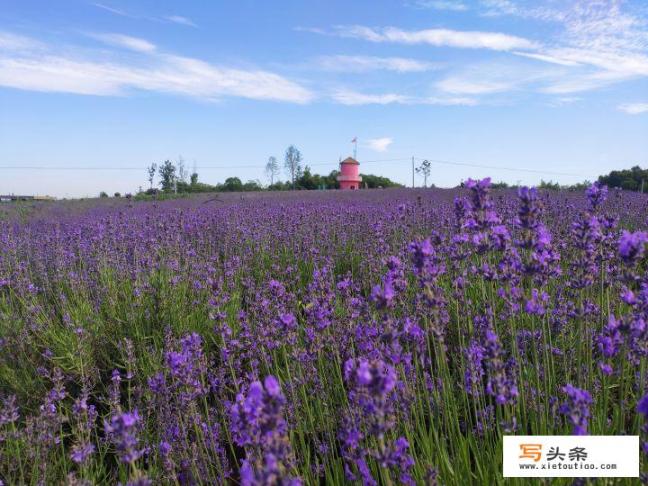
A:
173, 177
633, 179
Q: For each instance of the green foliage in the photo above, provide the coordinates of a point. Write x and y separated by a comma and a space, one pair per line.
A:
500, 185
424, 169
167, 173
151, 174
232, 184
305, 179
292, 163
549, 185
375, 182
628, 179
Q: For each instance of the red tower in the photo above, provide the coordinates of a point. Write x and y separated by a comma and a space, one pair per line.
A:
349, 177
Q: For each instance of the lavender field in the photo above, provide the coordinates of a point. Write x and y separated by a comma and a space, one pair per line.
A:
370, 337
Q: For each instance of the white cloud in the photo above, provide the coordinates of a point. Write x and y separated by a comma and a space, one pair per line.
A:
372, 63
634, 108
57, 69
179, 19
452, 101
593, 43
176, 19
578, 83
564, 100
110, 9
452, 5
125, 41
14, 42
438, 37
499, 7
379, 144
547, 58
605, 43
353, 98
506, 76
466, 86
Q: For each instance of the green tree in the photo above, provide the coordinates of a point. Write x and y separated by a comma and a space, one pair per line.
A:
307, 180
550, 185
151, 174
632, 179
292, 163
167, 173
272, 169
374, 181
251, 186
232, 184
424, 169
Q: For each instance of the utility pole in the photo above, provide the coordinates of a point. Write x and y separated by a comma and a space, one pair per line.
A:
412, 172
642, 182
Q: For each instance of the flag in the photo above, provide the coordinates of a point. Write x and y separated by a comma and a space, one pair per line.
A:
355, 140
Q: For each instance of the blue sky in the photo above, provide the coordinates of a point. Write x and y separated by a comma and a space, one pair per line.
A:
558, 87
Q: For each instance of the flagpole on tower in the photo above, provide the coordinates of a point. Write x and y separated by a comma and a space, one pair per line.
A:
355, 147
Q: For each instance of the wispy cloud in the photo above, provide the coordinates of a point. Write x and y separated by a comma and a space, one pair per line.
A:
353, 98
379, 144
175, 19
79, 71
492, 77
634, 108
450, 101
9, 41
594, 44
464, 86
564, 100
604, 43
179, 19
125, 41
581, 82
452, 5
371, 63
112, 10
547, 58
438, 37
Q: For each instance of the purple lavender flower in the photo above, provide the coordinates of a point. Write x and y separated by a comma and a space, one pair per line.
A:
576, 408
500, 377
631, 246
642, 406
371, 388
474, 369
399, 459
9, 412
257, 424
81, 452
596, 194
536, 304
122, 430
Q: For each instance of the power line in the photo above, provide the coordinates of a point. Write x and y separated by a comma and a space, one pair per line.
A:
204, 167
315, 164
495, 167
